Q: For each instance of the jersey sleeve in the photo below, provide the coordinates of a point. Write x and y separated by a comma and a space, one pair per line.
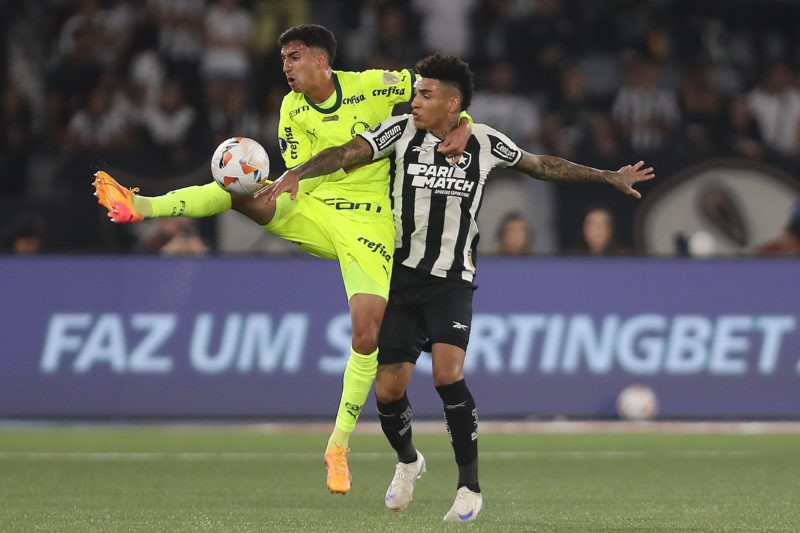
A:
383, 137
294, 143
503, 151
392, 86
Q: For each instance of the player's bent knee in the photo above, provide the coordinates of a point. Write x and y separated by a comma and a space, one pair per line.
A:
387, 391
447, 377
365, 343
388, 396
391, 382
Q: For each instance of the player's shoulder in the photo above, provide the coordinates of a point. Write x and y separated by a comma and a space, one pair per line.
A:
379, 78
292, 97
484, 129
292, 104
498, 143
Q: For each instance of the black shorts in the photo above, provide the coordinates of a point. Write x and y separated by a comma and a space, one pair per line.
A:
423, 309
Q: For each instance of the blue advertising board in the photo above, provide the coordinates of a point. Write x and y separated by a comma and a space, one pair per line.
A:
140, 337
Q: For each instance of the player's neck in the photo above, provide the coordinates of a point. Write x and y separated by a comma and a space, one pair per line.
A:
322, 90
444, 127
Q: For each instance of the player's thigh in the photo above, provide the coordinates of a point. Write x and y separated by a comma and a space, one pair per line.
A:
300, 221
448, 313
403, 332
364, 248
256, 209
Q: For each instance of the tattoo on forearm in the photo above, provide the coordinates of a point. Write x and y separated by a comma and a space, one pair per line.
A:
332, 159
552, 168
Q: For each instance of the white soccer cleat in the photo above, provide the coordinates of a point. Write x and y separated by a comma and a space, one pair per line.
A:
466, 507
400, 490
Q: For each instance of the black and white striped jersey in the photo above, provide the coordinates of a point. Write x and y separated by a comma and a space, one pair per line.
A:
435, 205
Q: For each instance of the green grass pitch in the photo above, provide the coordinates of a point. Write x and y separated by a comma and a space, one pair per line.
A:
247, 478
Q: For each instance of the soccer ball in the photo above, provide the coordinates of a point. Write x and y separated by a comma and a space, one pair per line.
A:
637, 402
240, 165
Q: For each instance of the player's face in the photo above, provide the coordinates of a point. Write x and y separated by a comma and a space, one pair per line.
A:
303, 66
432, 105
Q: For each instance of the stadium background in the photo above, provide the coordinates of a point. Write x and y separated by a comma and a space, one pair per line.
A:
147, 89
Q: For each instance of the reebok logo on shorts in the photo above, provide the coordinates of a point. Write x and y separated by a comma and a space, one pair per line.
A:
459, 325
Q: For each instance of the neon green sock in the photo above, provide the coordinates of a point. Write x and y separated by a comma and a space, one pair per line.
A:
196, 202
357, 381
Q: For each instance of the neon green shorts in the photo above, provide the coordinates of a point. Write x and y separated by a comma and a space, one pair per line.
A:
362, 240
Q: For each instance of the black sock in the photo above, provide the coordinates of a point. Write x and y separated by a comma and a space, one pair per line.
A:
395, 420
461, 418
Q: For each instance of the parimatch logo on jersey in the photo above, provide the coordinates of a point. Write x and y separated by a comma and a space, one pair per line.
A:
441, 179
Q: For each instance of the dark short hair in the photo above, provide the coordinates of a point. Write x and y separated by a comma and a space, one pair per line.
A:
451, 70
312, 35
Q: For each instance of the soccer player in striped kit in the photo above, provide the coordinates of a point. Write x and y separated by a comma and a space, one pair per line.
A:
435, 203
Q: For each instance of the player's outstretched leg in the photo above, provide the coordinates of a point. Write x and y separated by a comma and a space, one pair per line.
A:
401, 489
117, 199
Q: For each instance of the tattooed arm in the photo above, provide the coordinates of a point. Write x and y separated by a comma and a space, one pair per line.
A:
329, 160
552, 168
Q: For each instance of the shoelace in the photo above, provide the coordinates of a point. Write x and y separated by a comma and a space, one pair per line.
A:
400, 471
133, 190
340, 462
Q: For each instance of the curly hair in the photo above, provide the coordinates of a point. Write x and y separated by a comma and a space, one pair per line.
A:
450, 70
312, 35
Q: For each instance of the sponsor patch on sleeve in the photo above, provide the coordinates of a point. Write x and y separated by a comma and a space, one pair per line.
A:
390, 78
503, 151
384, 139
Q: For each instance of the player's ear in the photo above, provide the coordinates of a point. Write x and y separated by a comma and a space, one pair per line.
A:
454, 104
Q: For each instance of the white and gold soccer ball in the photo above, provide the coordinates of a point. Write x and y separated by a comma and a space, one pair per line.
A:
637, 402
240, 165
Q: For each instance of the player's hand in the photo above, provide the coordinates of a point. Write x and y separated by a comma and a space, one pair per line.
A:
454, 144
288, 182
625, 178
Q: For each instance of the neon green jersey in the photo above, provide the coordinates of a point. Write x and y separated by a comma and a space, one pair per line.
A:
360, 101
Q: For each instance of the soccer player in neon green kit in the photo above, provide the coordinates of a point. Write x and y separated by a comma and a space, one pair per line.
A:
345, 215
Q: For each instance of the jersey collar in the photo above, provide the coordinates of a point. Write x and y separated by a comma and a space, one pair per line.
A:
336, 104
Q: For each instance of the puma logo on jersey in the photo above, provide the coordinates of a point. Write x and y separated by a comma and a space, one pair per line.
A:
459, 325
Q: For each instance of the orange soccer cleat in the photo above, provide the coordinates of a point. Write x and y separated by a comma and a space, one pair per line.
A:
338, 471
116, 198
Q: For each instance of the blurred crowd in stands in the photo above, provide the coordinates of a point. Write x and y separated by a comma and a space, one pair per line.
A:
148, 88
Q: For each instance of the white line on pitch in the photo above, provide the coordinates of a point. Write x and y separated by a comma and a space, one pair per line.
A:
304, 456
